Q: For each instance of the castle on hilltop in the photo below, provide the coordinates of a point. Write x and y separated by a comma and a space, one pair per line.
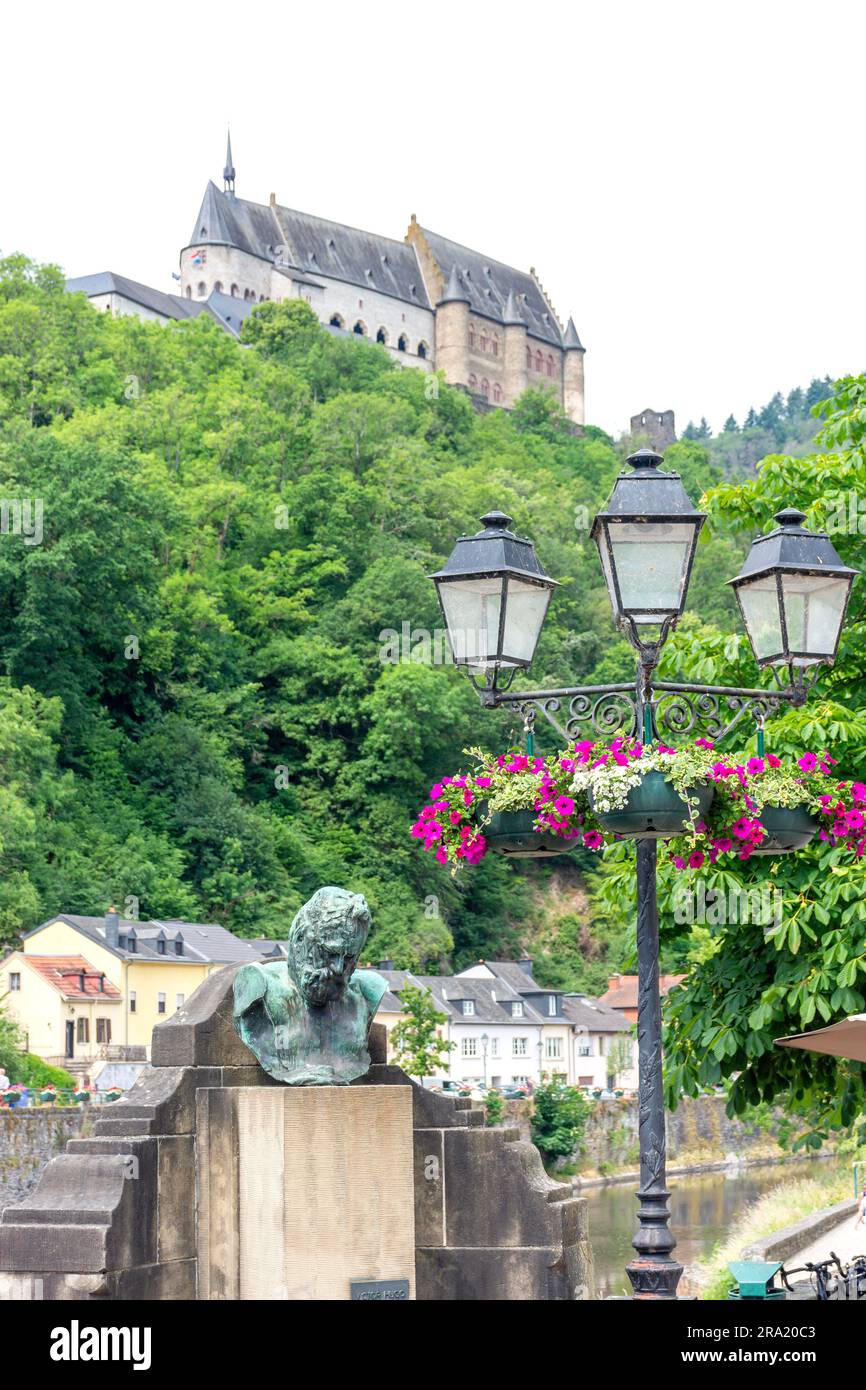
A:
429, 301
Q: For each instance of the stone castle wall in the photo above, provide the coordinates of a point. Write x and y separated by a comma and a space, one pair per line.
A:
29, 1138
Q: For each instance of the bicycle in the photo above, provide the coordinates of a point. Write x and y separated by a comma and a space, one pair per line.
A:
824, 1280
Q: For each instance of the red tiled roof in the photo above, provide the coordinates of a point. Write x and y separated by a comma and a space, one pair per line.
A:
623, 994
64, 973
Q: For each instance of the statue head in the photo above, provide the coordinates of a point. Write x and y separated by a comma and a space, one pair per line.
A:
325, 940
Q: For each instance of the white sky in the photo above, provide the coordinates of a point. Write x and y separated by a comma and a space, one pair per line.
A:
687, 180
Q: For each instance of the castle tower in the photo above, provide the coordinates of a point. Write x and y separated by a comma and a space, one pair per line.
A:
572, 374
516, 375
452, 331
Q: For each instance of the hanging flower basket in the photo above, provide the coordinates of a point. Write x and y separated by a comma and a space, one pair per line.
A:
48, 1095
786, 828
513, 833
591, 794
655, 810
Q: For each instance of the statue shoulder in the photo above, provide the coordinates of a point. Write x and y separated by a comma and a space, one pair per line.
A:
251, 983
372, 986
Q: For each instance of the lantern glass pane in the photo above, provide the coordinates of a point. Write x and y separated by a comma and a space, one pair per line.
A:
760, 604
472, 608
525, 610
814, 605
651, 561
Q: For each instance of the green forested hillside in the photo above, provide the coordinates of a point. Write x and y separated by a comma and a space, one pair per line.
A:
203, 708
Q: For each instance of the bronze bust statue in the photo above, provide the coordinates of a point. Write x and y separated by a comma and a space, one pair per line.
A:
307, 1018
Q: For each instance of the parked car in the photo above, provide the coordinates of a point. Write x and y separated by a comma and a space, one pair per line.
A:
513, 1092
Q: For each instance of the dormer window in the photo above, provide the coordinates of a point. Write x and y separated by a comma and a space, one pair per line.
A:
469, 1006
517, 1009
160, 946
551, 1003
202, 231
178, 946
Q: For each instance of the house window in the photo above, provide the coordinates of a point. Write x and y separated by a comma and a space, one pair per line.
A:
553, 1047
133, 1001
403, 343
519, 1047
494, 1047
469, 1006
517, 1010
82, 1030
178, 1000
584, 1048
551, 1003
160, 1003
132, 944
103, 1030
468, 1047
14, 981
160, 947
178, 948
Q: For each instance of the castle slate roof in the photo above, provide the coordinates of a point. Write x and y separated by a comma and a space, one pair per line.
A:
171, 306
314, 245
488, 283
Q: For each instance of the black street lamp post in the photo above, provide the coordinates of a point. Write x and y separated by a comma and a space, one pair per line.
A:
793, 593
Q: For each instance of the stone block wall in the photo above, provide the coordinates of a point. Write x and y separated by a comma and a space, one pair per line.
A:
30, 1138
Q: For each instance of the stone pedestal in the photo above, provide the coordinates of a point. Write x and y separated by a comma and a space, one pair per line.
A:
304, 1190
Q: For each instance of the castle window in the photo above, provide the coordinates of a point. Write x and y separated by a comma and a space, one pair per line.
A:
539, 362
472, 337
528, 358
483, 343
217, 286
422, 349
550, 364
359, 329
261, 299
202, 289
403, 343
336, 322
473, 381
497, 391
188, 291
234, 291
495, 347
202, 231
485, 389
381, 336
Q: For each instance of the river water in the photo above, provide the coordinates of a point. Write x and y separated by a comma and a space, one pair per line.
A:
703, 1208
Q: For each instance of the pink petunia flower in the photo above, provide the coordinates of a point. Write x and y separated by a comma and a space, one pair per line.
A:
807, 762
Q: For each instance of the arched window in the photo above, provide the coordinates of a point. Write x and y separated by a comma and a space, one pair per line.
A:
359, 329
472, 337
495, 347
261, 299
473, 381
217, 286
188, 291
497, 391
483, 343
382, 336
422, 349
550, 364
403, 343
529, 358
234, 291
336, 322
202, 289
485, 389
539, 362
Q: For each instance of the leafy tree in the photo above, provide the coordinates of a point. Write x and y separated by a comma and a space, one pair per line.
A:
560, 1113
494, 1107
619, 1058
420, 1047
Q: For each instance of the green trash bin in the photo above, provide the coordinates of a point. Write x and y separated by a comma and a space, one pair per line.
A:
755, 1280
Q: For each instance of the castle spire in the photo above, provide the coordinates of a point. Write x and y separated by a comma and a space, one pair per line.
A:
570, 338
229, 170
454, 291
511, 314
